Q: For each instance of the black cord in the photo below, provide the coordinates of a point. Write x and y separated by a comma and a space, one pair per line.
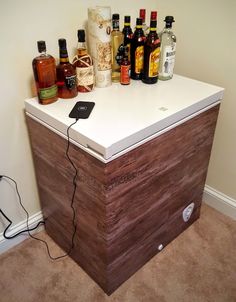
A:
42, 222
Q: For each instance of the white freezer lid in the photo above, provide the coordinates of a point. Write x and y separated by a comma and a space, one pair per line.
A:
124, 116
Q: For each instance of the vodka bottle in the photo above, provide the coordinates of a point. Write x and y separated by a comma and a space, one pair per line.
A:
168, 48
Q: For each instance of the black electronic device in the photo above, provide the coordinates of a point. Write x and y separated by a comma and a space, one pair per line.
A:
81, 110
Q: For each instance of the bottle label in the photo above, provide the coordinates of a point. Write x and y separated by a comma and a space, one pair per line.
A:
154, 63
128, 46
103, 56
47, 93
168, 60
85, 76
70, 82
139, 52
125, 74
120, 53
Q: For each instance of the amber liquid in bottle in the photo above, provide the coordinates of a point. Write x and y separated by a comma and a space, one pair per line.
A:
151, 55
44, 68
117, 40
84, 65
66, 74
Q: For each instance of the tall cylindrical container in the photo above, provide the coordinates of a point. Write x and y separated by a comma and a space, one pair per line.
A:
99, 39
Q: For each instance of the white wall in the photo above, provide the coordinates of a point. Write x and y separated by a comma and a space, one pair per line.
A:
205, 31
22, 24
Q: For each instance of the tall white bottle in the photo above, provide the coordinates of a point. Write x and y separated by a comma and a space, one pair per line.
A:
168, 49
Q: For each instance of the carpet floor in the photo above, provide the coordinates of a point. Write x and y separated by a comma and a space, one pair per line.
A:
198, 266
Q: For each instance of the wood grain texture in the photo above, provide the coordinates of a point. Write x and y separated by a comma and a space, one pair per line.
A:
127, 207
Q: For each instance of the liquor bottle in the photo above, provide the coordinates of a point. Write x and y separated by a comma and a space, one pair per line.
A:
168, 49
151, 55
117, 39
137, 51
66, 74
142, 15
84, 65
125, 68
128, 33
44, 68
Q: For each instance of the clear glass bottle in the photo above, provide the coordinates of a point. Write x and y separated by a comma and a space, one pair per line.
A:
117, 39
66, 74
151, 55
44, 68
84, 65
168, 49
137, 51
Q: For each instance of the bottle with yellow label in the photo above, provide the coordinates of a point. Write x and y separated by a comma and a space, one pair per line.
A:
151, 55
137, 51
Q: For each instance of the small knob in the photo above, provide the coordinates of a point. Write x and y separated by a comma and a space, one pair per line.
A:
160, 247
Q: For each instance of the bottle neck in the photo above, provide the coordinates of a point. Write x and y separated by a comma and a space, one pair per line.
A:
115, 25
139, 27
126, 25
168, 25
81, 49
153, 30
64, 56
43, 53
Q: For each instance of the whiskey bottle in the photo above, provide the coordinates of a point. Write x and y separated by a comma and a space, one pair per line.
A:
84, 65
125, 68
128, 33
117, 39
137, 51
168, 49
142, 15
44, 68
66, 74
151, 55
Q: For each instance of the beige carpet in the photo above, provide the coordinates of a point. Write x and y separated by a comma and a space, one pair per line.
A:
200, 265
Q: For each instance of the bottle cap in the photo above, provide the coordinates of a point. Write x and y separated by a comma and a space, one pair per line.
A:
127, 19
169, 19
62, 43
81, 35
139, 21
142, 14
115, 17
41, 46
153, 15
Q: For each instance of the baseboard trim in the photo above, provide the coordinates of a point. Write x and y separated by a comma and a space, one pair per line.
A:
6, 244
220, 201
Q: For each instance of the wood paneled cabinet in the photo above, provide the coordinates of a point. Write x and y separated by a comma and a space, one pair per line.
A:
129, 208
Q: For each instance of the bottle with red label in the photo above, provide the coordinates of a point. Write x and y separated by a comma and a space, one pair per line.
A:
137, 51
151, 55
125, 68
